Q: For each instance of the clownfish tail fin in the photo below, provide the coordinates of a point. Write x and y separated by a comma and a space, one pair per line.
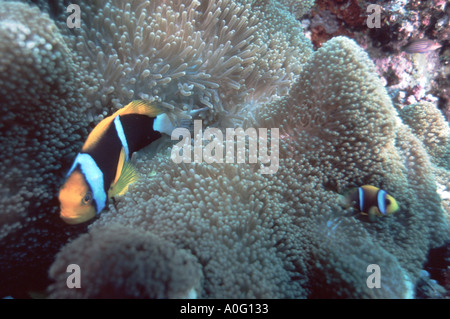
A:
195, 112
167, 122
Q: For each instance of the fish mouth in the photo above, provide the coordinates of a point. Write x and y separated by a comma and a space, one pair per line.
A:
73, 219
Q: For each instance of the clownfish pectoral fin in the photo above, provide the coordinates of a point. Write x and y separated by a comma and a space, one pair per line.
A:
128, 176
125, 175
122, 159
373, 213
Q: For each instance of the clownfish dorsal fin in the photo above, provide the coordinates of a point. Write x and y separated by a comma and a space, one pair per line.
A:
125, 175
140, 107
97, 133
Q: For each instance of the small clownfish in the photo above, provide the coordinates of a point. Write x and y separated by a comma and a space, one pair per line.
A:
371, 201
102, 169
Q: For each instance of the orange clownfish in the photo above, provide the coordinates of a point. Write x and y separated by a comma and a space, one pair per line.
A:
371, 201
102, 169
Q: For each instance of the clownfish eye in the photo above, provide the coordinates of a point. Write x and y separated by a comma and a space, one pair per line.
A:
388, 202
87, 198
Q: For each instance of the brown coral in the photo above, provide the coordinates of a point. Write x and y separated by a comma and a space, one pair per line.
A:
142, 266
430, 126
41, 126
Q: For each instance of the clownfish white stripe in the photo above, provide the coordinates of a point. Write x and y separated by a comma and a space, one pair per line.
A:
381, 201
361, 198
93, 176
121, 135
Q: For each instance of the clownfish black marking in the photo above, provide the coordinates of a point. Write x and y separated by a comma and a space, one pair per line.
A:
101, 170
372, 201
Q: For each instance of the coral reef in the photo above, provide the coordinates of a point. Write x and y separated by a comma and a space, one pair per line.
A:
228, 56
354, 137
409, 78
158, 268
222, 55
214, 230
41, 129
285, 235
430, 126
